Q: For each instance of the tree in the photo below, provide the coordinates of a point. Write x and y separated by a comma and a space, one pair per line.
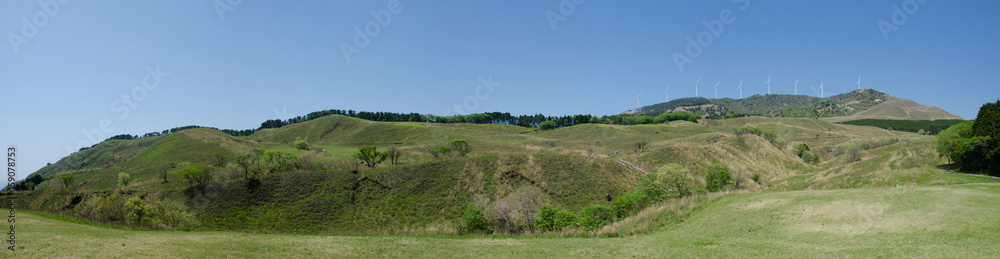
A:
799, 147
741, 175
196, 175
440, 151
67, 180
547, 125
670, 181
370, 156
641, 146
394, 154
717, 178
124, 179
137, 210
162, 170
300, 144
461, 147
244, 161
987, 125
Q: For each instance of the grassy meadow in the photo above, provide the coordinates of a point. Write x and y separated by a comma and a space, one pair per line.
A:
924, 221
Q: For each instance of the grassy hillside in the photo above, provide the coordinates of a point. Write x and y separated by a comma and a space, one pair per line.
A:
933, 221
510, 170
774, 105
916, 126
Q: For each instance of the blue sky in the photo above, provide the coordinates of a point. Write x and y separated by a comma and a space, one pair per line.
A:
62, 71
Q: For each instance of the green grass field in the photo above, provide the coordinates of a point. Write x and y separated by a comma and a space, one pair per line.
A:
928, 221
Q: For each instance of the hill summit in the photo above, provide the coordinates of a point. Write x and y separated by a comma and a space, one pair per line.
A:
862, 102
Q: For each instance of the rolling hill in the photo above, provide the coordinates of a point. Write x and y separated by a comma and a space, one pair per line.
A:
511, 172
858, 104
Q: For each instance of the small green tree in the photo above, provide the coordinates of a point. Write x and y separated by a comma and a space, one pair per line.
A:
393, 154
547, 125
124, 179
440, 151
717, 178
195, 175
370, 156
677, 179
162, 171
799, 147
461, 147
300, 144
137, 210
641, 146
67, 180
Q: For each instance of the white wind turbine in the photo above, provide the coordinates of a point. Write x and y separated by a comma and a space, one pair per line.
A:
637, 106
859, 82
696, 87
768, 84
797, 86
741, 89
668, 92
821, 88
717, 90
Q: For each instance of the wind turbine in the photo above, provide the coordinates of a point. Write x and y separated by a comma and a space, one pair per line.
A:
859, 82
821, 88
696, 87
797, 86
637, 107
741, 89
768, 84
668, 92
717, 90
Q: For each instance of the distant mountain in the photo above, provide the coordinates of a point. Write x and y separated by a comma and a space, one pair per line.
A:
864, 103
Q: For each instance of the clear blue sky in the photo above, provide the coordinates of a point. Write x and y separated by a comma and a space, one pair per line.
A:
286, 56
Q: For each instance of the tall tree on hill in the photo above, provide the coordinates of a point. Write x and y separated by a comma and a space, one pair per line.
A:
988, 125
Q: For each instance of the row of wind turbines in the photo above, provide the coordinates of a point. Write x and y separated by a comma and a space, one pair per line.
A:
796, 85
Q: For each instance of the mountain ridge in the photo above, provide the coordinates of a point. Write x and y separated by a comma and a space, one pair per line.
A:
857, 104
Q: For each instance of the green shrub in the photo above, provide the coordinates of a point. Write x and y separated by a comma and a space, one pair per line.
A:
810, 157
300, 144
111, 208
717, 178
171, 214
595, 217
137, 210
547, 125
196, 175
474, 221
756, 178
67, 180
124, 179
629, 204
551, 218
799, 147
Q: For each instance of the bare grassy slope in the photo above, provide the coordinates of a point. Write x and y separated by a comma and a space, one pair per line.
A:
901, 109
